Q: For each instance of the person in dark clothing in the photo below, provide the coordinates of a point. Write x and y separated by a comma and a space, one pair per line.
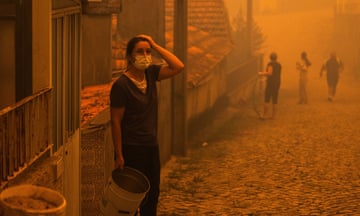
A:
273, 73
134, 113
333, 67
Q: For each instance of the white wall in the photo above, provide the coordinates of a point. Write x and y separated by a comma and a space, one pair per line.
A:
71, 174
41, 44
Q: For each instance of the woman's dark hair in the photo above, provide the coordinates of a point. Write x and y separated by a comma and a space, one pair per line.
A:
131, 45
304, 57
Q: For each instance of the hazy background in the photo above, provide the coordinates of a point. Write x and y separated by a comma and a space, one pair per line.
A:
291, 29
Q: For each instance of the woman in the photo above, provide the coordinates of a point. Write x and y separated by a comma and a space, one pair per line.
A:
273, 74
134, 114
302, 67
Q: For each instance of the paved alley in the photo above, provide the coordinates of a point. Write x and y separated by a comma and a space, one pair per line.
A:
305, 162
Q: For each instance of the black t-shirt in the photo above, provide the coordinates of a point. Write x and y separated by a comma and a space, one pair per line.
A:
139, 123
275, 78
333, 66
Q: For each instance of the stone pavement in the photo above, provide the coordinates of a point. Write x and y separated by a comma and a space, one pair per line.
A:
305, 162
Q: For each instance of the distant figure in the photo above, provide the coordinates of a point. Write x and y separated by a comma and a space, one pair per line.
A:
333, 67
302, 66
273, 74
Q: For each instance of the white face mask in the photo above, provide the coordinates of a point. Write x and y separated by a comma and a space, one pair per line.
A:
142, 61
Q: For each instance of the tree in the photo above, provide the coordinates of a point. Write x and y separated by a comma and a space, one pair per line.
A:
240, 37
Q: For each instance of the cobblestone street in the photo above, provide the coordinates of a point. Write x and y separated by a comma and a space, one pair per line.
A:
305, 162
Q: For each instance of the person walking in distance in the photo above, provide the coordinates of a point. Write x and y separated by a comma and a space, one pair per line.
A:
302, 66
273, 81
333, 67
134, 113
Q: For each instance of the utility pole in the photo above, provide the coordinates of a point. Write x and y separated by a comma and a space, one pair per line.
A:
249, 21
179, 117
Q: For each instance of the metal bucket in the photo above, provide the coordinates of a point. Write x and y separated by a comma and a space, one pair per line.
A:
31, 200
124, 192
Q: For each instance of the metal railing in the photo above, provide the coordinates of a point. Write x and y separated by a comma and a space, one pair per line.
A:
25, 134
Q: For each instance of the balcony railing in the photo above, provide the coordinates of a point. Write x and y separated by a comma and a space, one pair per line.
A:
24, 134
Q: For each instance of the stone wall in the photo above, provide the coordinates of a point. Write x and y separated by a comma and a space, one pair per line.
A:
96, 162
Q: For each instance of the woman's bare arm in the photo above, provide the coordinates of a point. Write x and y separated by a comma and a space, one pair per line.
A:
174, 64
116, 118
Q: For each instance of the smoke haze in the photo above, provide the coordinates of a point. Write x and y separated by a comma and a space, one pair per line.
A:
296, 27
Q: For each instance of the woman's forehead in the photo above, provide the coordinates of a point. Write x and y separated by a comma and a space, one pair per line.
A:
142, 44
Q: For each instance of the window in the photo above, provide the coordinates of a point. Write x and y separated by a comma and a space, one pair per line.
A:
66, 74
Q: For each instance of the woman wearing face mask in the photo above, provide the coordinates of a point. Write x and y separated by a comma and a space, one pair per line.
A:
133, 108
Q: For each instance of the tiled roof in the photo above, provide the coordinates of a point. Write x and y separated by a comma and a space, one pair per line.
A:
209, 39
206, 15
204, 53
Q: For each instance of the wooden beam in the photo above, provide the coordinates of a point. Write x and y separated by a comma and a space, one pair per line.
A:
179, 116
23, 49
7, 10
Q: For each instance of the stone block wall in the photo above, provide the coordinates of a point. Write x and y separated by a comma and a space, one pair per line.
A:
96, 163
